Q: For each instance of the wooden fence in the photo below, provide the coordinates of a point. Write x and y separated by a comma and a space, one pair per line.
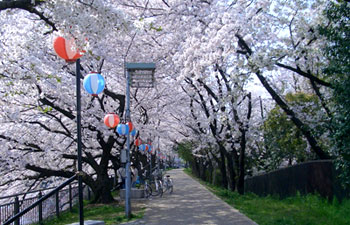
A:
309, 177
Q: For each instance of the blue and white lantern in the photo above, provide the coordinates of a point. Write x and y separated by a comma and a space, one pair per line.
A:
149, 148
94, 83
122, 129
142, 147
133, 132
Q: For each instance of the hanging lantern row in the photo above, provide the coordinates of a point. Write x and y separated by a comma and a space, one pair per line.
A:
94, 84
143, 147
112, 120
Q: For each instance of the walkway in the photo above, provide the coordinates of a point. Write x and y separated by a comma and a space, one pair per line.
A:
191, 203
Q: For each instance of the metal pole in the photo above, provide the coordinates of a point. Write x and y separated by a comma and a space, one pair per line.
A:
150, 164
80, 180
157, 157
70, 198
40, 209
127, 165
16, 210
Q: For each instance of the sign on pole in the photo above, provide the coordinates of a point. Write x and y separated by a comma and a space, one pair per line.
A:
141, 74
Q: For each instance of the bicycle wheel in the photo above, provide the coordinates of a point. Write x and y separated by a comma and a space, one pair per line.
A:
156, 188
147, 191
160, 184
170, 186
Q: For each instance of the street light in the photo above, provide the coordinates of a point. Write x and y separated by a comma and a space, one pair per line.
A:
139, 75
67, 50
94, 84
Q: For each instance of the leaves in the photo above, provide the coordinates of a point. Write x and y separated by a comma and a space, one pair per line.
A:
337, 50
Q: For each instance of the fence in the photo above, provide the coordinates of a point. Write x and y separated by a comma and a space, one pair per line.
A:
310, 177
60, 201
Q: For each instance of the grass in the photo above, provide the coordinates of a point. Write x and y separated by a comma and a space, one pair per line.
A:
309, 210
111, 214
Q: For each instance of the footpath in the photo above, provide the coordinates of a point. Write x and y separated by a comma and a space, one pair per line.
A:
190, 203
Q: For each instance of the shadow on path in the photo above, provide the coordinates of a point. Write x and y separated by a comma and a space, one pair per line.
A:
190, 203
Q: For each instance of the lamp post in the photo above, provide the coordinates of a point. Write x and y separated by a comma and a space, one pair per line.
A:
66, 49
150, 161
94, 83
157, 157
80, 179
139, 75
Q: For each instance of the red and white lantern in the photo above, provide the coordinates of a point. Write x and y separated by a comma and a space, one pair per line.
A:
131, 126
138, 142
111, 120
66, 49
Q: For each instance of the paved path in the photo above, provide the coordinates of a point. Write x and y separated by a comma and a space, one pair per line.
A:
190, 203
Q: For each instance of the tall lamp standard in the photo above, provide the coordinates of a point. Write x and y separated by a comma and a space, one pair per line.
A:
67, 50
138, 75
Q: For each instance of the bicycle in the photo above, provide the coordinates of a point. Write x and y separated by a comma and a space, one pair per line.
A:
167, 184
153, 188
147, 190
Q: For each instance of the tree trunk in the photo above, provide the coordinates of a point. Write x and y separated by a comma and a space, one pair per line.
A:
195, 168
210, 170
240, 185
231, 171
102, 191
203, 169
223, 167
213, 176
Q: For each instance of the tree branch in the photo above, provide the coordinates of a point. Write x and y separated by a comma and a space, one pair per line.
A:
29, 7
43, 172
305, 74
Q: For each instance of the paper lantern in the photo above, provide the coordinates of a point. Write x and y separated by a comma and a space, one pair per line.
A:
111, 120
142, 147
138, 141
94, 83
133, 132
66, 49
131, 126
149, 148
123, 129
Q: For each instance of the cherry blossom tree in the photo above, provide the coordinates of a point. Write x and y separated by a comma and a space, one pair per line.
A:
38, 112
208, 53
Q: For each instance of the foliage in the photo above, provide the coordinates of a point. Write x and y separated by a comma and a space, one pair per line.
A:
337, 50
184, 149
271, 210
283, 141
310, 209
